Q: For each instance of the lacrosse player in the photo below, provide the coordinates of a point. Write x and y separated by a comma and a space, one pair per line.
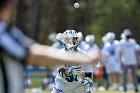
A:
128, 56
113, 65
70, 78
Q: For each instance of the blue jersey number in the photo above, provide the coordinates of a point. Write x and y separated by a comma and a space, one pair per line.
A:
71, 78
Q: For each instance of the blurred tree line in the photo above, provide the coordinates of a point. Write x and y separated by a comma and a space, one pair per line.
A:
38, 18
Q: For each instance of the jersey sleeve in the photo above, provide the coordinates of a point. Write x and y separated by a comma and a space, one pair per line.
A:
3, 27
133, 41
138, 47
14, 43
21, 38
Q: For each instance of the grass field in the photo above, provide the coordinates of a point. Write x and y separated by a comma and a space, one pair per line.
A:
109, 91
37, 78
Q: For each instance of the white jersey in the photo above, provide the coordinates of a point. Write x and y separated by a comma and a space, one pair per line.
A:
110, 52
70, 82
128, 49
88, 47
88, 67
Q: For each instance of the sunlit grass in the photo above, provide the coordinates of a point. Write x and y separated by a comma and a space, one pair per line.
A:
109, 91
36, 79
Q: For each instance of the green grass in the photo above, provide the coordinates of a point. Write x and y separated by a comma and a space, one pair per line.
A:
37, 78
109, 91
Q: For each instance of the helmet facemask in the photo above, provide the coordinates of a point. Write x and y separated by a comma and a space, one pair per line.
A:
110, 37
70, 40
127, 33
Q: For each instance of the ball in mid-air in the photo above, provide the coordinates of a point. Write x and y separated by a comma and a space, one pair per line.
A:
76, 5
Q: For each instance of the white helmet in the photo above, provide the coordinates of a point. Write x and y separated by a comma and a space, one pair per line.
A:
127, 32
69, 38
90, 39
52, 37
80, 36
110, 36
104, 39
123, 36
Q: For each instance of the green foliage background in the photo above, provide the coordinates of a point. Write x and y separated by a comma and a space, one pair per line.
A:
93, 17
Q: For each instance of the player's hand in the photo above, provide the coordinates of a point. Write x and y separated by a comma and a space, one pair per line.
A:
75, 70
87, 82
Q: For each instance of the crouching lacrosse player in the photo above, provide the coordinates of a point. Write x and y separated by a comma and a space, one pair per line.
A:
71, 78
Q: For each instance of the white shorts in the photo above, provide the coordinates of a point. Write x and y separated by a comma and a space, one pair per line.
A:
113, 67
78, 89
62, 86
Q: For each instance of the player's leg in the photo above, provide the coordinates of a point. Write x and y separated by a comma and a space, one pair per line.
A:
118, 74
130, 80
85, 87
58, 86
89, 90
105, 78
125, 72
134, 75
79, 89
56, 90
115, 77
113, 80
108, 71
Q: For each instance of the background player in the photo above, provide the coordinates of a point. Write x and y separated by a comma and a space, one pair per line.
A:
112, 64
128, 57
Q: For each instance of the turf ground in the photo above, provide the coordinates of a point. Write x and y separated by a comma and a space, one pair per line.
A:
109, 91
37, 78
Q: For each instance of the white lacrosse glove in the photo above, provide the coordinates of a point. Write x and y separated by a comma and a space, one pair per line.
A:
74, 70
87, 82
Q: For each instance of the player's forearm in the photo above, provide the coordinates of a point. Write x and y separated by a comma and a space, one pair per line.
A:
43, 56
96, 57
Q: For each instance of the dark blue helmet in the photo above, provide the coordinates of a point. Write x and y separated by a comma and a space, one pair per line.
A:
127, 32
